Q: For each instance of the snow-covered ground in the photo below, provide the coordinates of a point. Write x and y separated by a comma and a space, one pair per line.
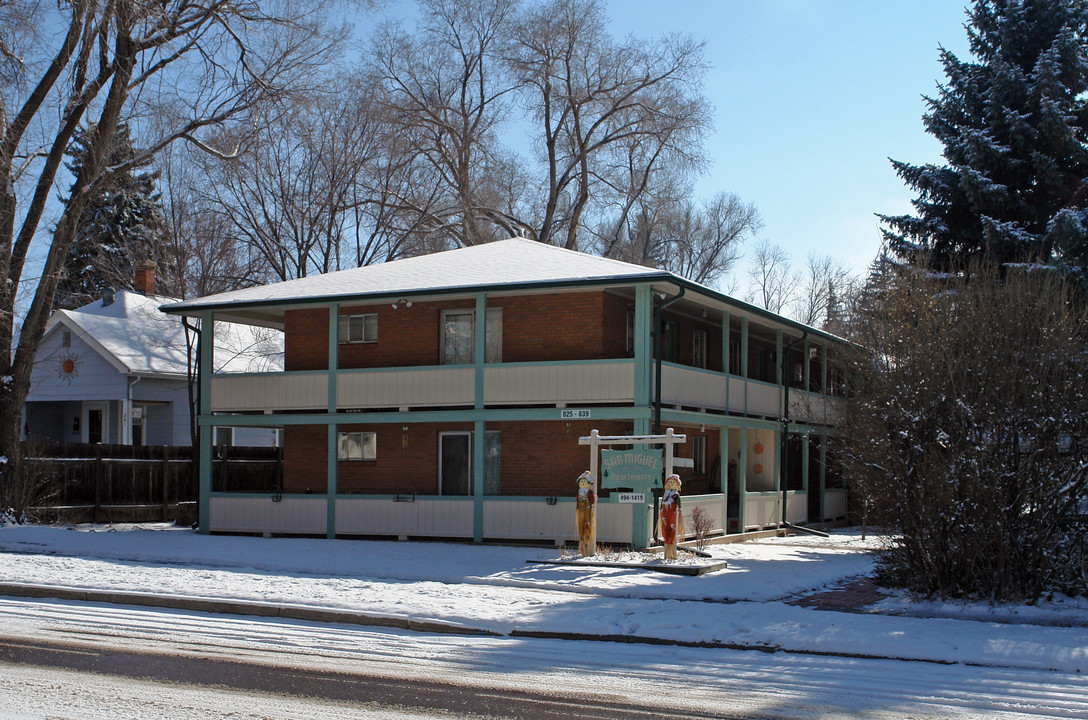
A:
493, 588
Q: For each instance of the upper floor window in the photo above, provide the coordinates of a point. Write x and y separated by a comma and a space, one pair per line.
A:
698, 349
459, 336
358, 328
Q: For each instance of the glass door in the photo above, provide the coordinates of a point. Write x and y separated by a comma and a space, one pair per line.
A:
455, 463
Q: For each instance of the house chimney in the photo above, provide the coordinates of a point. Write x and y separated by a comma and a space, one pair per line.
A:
144, 282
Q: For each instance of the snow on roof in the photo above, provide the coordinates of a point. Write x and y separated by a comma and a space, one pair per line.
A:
134, 334
516, 261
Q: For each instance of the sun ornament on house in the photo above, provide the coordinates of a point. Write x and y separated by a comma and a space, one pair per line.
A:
68, 367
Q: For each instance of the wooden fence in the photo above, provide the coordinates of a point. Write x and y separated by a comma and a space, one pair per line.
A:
125, 483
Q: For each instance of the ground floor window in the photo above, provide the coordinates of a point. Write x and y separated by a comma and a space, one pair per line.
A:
455, 456
356, 446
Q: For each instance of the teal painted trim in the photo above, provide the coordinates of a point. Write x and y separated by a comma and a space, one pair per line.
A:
765, 493
723, 468
643, 359
419, 496
779, 478
641, 512
330, 490
804, 462
705, 371
479, 355
742, 481
725, 342
334, 352
204, 437
778, 358
744, 361
205, 368
268, 495
421, 416
689, 417
409, 368
478, 482
273, 374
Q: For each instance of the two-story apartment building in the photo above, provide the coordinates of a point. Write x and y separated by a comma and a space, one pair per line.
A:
444, 395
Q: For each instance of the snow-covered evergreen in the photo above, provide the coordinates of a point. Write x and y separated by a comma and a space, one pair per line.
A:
1014, 123
121, 224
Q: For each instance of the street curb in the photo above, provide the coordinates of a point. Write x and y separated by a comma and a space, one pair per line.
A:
237, 607
325, 615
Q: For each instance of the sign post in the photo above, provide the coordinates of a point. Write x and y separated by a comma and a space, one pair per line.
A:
637, 470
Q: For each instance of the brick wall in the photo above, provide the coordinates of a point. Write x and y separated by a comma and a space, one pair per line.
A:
538, 458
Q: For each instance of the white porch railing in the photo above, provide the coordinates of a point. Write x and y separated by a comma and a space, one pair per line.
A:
298, 516
834, 504
408, 387
561, 383
712, 505
424, 517
270, 391
534, 519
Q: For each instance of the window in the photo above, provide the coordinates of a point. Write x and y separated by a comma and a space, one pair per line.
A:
356, 446
358, 328
698, 349
459, 336
630, 331
455, 452
223, 436
734, 356
698, 454
670, 341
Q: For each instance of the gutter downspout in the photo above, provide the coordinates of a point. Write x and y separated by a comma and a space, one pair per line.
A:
785, 444
130, 410
657, 383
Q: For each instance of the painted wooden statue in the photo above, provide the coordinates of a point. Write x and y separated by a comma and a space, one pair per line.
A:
587, 515
670, 524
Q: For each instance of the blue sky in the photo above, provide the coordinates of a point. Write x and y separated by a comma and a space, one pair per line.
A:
811, 99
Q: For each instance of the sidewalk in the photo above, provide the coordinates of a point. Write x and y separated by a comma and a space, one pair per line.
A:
768, 599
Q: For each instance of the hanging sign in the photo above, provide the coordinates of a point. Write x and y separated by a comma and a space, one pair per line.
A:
638, 470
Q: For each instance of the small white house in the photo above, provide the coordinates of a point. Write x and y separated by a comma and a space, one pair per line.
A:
115, 371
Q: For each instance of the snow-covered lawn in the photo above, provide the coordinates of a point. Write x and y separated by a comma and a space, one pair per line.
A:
493, 588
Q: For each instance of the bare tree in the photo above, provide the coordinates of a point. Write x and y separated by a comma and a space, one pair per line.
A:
445, 89
701, 244
773, 282
825, 281
596, 101
170, 69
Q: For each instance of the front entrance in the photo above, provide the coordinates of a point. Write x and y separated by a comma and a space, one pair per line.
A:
455, 463
95, 420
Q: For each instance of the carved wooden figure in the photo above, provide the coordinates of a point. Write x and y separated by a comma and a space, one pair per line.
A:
670, 523
587, 516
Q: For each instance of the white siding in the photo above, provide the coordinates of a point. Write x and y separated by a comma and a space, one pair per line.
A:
680, 386
94, 377
261, 514
411, 387
764, 399
713, 505
762, 510
437, 517
559, 383
797, 506
530, 520
834, 504
272, 391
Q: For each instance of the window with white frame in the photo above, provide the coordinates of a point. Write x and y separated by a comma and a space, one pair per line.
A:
356, 446
698, 454
698, 348
358, 328
459, 336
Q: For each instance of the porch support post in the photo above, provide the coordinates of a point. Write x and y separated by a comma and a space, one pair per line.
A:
205, 367
744, 359
742, 479
332, 466
723, 468
804, 461
823, 477
479, 356
643, 361
807, 366
779, 365
726, 360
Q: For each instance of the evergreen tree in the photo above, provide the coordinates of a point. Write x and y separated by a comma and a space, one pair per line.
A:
122, 223
1014, 125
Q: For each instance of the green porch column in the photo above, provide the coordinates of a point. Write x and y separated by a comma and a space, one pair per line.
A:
205, 368
807, 366
725, 358
744, 359
642, 512
334, 365
778, 360
823, 476
723, 464
742, 480
479, 356
643, 361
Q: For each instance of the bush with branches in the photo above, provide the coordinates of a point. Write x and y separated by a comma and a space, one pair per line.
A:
968, 428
